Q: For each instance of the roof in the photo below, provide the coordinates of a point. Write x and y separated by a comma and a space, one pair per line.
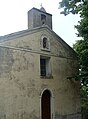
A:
40, 11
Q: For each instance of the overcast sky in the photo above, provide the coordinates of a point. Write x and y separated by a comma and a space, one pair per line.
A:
13, 17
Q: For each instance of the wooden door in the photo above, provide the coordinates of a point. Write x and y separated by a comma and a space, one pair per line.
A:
46, 105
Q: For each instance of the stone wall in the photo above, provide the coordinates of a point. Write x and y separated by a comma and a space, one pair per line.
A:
21, 86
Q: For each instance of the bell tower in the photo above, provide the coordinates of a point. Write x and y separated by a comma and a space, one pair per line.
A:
38, 18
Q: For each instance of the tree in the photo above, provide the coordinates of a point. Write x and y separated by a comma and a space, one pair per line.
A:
81, 46
71, 6
84, 102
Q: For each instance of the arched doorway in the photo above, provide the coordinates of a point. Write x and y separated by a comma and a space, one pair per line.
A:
46, 105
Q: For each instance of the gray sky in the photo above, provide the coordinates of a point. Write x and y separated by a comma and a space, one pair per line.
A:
13, 17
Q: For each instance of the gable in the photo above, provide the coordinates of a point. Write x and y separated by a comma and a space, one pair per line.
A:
31, 40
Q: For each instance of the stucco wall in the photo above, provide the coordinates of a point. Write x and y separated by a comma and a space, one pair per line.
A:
21, 86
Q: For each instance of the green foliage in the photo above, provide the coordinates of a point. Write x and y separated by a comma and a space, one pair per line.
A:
83, 28
84, 102
83, 23
71, 6
81, 46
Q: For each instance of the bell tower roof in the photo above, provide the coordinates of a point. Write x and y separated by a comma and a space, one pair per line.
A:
42, 9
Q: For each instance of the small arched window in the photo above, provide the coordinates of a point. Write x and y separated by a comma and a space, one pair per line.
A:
45, 43
43, 18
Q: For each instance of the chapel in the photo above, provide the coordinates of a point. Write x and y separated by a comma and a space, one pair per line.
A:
37, 73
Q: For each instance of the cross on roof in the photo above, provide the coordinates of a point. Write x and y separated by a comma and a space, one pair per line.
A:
41, 4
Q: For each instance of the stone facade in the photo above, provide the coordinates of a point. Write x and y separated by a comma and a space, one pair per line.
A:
21, 83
